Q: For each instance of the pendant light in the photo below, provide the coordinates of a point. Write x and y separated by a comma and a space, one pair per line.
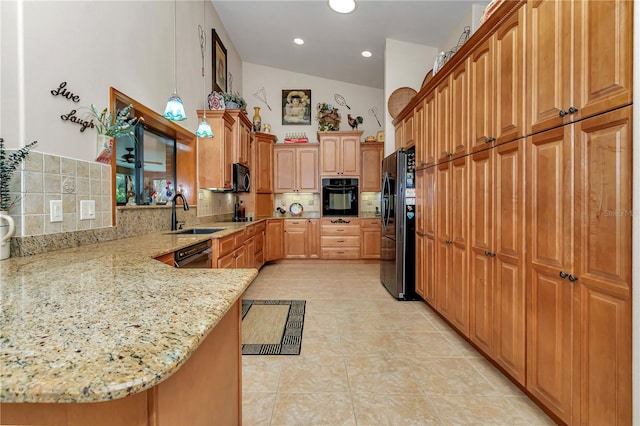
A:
204, 129
174, 110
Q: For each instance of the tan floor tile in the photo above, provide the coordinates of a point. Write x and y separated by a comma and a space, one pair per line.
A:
377, 409
306, 409
260, 373
460, 344
475, 410
313, 374
495, 377
257, 408
368, 342
450, 376
528, 413
414, 344
381, 374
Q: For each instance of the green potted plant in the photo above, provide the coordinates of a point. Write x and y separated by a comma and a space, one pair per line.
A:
110, 126
234, 101
8, 164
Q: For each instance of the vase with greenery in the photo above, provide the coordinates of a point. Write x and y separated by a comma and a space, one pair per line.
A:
109, 127
8, 164
234, 101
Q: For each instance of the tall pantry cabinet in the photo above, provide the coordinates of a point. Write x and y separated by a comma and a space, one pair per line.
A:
523, 231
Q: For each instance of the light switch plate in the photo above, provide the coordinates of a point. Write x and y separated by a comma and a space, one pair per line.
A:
87, 209
55, 210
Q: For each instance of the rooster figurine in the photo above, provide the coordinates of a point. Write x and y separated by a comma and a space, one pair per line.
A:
353, 122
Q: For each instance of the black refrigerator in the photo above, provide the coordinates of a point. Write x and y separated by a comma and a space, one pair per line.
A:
398, 199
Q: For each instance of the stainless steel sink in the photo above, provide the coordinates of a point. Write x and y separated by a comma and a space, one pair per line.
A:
199, 231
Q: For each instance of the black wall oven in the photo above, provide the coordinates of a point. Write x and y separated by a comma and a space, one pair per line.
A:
340, 197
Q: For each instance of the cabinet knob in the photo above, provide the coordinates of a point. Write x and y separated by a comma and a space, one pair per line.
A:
573, 110
563, 274
489, 139
562, 113
573, 278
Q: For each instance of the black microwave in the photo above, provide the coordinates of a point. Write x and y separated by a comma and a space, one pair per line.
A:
340, 197
241, 178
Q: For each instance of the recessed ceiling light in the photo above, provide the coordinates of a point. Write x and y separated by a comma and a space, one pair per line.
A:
366, 53
343, 6
298, 40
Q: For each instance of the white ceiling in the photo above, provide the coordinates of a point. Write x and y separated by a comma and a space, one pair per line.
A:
263, 33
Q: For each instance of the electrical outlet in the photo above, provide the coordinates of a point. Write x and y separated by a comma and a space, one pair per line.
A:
87, 209
55, 210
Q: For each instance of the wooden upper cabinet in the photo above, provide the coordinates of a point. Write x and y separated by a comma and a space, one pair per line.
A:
372, 155
418, 135
444, 147
262, 166
340, 153
429, 131
460, 109
577, 69
215, 156
408, 130
241, 137
398, 136
296, 168
497, 86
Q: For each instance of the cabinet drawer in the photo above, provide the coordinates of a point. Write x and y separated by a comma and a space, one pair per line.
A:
226, 245
340, 252
240, 237
370, 223
340, 230
295, 223
339, 241
261, 226
259, 242
250, 230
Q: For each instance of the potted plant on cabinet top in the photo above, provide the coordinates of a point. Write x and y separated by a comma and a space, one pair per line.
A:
8, 164
234, 101
109, 127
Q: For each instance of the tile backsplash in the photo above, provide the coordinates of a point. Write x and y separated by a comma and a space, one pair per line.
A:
368, 203
45, 177
310, 202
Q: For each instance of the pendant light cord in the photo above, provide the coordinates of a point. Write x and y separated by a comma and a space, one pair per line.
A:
175, 47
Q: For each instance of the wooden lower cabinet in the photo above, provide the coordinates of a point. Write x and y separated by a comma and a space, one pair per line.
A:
370, 238
301, 238
207, 389
340, 238
274, 240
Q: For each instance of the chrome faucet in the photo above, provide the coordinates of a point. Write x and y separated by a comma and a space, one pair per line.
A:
174, 219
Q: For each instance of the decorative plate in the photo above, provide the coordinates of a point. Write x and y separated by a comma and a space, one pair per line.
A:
295, 209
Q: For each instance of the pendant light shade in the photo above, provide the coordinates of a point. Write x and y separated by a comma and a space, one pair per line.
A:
174, 110
204, 129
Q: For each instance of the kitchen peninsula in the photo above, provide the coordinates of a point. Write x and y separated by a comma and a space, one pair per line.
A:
105, 334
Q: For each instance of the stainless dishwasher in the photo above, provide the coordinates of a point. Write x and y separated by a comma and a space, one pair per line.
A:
198, 255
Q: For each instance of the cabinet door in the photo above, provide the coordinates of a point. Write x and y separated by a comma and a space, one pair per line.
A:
398, 136
444, 148
603, 262
509, 279
508, 71
459, 274
350, 150
408, 127
330, 151
295, 245
549, 62
241, 257
274, 240
284, 172
264, 153
460, 109
430, 129
481, 269
313, 238
443, 240
245, 144
307, 169
481, 93
550, 203
418, 134
371, 167
603, 58
370, 243
228, 155
420, 234
430, 235
227, 261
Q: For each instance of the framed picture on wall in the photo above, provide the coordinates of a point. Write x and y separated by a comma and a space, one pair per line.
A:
219, 62
296, 107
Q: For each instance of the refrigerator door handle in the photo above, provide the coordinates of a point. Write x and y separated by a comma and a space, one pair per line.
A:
385, 200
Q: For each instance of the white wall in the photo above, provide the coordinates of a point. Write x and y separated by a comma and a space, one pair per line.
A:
406, 65
93, 45
359, 98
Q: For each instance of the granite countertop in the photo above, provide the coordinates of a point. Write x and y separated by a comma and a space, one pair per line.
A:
103, 321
